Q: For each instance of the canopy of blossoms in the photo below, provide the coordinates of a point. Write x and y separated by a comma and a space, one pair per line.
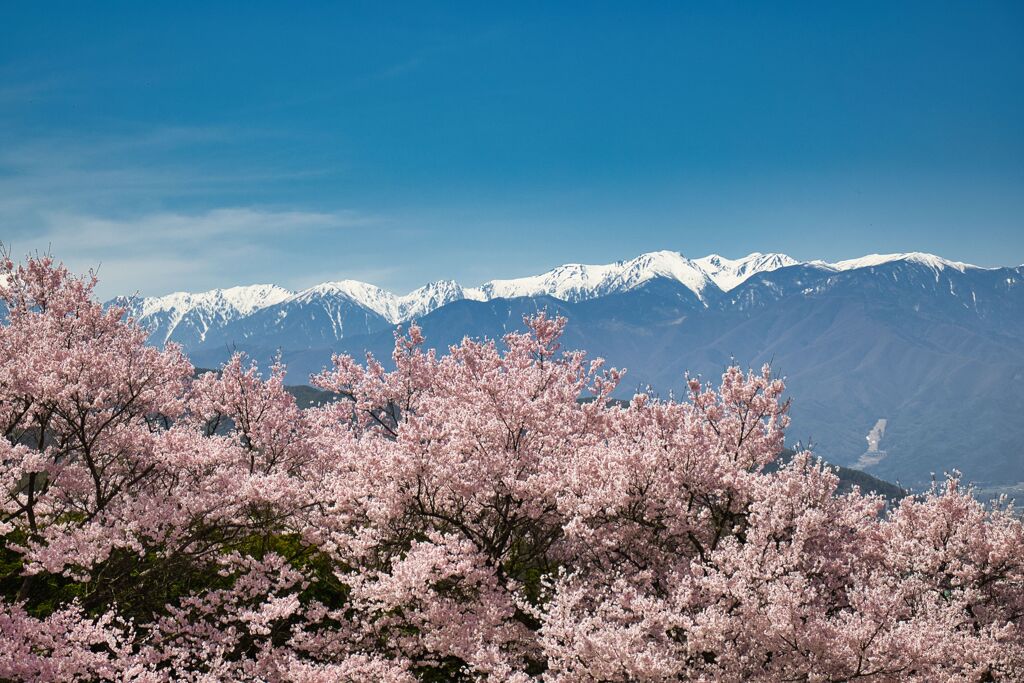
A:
465, 516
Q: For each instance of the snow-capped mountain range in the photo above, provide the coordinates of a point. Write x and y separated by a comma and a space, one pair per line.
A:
935, 347
189, 317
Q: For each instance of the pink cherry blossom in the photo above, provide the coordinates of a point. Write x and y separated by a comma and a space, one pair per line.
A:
481, 513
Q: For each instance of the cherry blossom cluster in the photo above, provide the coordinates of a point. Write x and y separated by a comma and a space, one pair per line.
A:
487, 513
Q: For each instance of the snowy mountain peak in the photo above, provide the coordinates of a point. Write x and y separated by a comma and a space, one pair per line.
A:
730, 273
352, 288
571, 282
427, 298
667, 264
936, 263
380, 301
244, 298
576, 281
164, 314
393, 308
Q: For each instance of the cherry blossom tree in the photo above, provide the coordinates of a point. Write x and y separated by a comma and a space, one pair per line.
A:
487, 513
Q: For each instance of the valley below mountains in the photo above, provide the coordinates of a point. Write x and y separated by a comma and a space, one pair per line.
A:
934, 348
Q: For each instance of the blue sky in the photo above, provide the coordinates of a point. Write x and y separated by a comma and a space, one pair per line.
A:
195, 145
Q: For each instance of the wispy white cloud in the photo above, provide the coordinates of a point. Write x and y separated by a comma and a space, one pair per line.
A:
185, 230
73, 168
138, 205
158, 252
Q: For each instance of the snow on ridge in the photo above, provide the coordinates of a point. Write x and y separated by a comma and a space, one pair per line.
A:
244, 299
163, 314
427, 298
247, 299
378, 300
569, 282
730, 273
934, 262
576, 281
579, 281
390, 306
668, 264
